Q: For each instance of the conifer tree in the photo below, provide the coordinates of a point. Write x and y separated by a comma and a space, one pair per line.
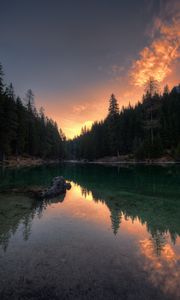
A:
23, 130
112, 121
151, 105
113, 107
1, 80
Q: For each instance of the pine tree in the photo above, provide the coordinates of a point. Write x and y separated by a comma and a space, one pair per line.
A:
21, 127
151, 87
29, 100
151, 105
1, 80
2, 129
112, 121
9, 92
23, 130
113, 107
166, 90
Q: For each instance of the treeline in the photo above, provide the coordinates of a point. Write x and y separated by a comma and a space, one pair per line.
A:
147, 130
23, 129
150, 129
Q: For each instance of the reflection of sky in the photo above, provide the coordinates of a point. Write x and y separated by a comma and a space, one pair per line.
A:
160, 256
75, 238
74, 54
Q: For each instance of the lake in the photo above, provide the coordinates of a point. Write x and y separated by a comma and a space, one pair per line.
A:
114, 235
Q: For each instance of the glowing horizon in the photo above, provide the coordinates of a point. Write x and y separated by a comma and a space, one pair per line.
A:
72, 119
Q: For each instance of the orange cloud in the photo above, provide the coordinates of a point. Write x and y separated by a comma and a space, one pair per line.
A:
158, 58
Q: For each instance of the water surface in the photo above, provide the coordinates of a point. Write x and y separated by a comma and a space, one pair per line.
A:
114, 235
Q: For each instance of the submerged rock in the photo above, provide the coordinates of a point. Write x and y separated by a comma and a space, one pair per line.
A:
58, 186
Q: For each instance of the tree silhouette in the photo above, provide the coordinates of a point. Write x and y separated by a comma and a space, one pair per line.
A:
1, 80
23, 130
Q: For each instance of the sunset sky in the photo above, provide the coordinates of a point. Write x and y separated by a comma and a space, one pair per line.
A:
74, 53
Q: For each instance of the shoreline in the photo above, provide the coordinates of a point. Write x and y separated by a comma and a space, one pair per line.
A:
27, 162
128, 162
13, 162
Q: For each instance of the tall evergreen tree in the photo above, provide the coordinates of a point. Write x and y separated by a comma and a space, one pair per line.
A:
1, 80
113, 107
112, 121
21, 127
151, 104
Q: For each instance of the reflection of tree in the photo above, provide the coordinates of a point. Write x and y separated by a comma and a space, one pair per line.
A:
15, 210
20, 210
84, 192
115, 220
155, 213
4, 240
147, 194
158, 242
27, 227
173, 237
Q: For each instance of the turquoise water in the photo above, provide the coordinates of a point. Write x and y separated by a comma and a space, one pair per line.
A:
114, 235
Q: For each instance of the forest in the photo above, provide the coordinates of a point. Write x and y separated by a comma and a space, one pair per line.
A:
149, 129
23, 129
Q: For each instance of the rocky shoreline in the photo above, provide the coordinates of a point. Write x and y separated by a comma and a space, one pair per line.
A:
126, 160
13, 162
27, 161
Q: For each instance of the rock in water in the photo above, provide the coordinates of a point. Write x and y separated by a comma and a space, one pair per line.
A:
58, 186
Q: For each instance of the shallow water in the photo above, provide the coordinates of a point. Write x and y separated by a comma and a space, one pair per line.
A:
114, 235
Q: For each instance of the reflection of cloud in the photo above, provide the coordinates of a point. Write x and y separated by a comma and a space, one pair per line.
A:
163, 270
157, 59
